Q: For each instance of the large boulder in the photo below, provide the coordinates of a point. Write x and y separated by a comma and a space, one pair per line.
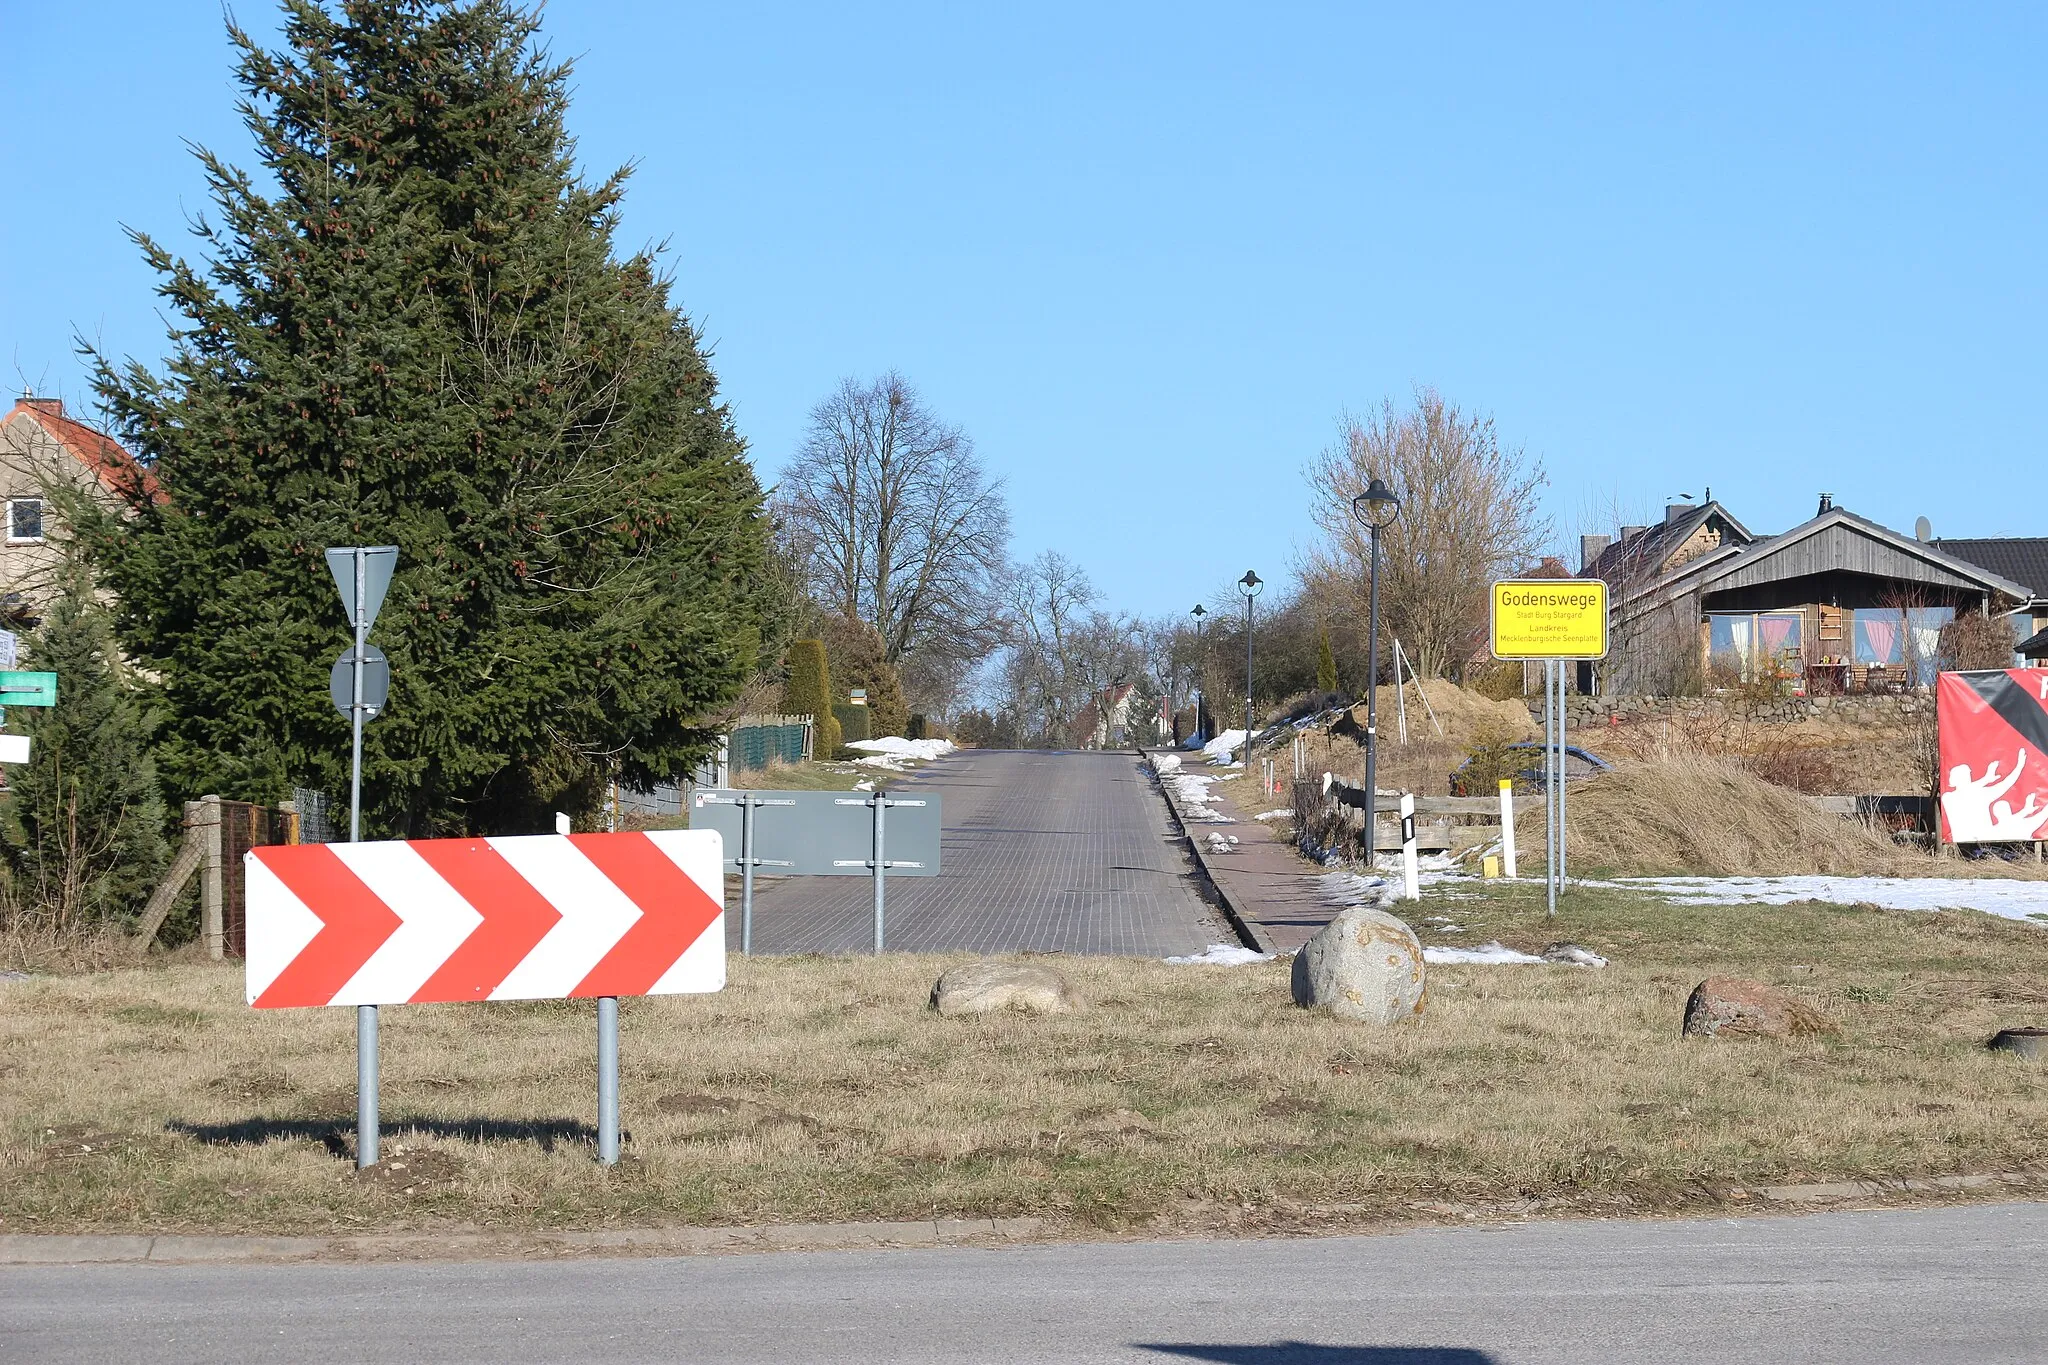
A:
1364, 965
991, 985
1739, 1007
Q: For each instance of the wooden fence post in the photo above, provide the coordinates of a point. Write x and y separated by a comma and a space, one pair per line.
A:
212, 931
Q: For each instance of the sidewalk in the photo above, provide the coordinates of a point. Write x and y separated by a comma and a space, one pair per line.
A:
1270, 892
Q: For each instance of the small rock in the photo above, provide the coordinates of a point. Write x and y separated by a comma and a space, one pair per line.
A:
1732, 1005
1364, 965
990, 985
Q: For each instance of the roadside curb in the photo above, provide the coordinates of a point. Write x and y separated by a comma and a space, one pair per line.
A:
183, 1249
1866, 1189
1247, 927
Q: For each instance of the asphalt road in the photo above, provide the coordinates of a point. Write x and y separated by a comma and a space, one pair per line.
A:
1925, 1287
1042, 852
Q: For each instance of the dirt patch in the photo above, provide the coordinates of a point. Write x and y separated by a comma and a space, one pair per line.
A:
1465, 716
740, 1113
413, 1171
252, 1085
79, 1141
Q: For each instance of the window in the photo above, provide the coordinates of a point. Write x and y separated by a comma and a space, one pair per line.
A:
1748, 643
24, 519
1895, 636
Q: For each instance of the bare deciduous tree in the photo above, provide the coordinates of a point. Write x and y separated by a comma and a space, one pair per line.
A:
1469, 515
1063, 652
899, 526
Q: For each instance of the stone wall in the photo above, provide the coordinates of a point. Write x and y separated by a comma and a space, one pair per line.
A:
1881, 710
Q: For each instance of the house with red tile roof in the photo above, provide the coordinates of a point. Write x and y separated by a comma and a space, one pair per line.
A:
42, 447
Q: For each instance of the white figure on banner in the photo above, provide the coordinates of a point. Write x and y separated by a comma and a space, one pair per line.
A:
2018, 825
1967, 803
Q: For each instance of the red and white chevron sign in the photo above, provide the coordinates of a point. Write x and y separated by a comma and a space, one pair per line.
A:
533, 917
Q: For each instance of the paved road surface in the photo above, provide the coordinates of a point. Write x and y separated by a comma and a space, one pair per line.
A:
1043, 852
1922, 1287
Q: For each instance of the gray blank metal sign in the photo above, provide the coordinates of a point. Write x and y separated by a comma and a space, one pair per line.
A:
341, 681
825, 834
378, 563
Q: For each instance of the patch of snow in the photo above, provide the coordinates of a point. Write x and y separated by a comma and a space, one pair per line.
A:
1193, 792
1282, 814
866, 784
2004, 897
1573, 955
1221, 955
1485, 955
1165, 763
1352, 888
1223, 746
923, 750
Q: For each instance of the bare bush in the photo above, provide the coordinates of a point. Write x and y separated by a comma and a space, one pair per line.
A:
1469, 514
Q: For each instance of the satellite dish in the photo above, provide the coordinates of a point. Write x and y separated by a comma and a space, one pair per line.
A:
1923, 530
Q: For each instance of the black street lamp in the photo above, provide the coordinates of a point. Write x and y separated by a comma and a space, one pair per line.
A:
1201, 651
1375, 510
1249, 585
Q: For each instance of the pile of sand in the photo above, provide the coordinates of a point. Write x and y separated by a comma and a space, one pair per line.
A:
1707, 817
1466, 716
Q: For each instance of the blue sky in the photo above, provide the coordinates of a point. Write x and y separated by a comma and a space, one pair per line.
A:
1146, 255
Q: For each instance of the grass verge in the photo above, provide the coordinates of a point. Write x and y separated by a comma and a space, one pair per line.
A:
1182, 1100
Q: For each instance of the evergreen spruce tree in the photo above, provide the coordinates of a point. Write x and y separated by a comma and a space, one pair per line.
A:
1326, 663
86, 841
424, 338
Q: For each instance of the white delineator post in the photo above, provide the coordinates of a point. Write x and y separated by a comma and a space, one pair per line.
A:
1409, 872
1507, 826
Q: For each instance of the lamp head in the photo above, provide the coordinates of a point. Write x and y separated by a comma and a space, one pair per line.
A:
1250, 584
1377, 506
1199, 612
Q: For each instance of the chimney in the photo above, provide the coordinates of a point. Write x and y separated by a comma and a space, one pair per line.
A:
1629, 533
1590, 549
1827, 504
1674, 510
53, 406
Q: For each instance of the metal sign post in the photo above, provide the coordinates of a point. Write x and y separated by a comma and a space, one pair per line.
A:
1550, 787
878, 860
608, 1079
363, 574
880, 801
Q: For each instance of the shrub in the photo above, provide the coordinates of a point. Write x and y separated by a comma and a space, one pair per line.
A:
809, 692
854, 723
1972, 641
860, 660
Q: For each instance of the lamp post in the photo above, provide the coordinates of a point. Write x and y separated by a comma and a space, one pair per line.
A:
1201, 649
1249, 585
1375, 510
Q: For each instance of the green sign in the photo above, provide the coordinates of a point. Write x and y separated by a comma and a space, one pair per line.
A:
28, 689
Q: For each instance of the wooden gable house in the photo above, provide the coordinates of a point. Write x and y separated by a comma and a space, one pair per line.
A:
1837, 603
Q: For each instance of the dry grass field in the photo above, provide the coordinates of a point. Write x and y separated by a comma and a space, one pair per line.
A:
1183, 1099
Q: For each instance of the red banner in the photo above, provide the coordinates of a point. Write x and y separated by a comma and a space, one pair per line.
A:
1994, 755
